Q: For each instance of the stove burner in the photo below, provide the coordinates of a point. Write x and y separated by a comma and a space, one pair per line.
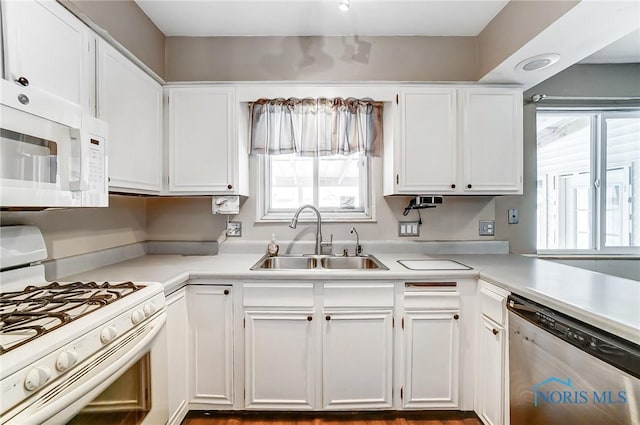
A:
36, 310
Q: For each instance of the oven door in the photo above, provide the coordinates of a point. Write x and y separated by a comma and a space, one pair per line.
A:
137, 397
139, 355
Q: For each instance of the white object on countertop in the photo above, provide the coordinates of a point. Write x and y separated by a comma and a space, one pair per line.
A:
225, 205
433, 265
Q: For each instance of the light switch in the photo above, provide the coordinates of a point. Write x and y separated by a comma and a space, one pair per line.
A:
408, 228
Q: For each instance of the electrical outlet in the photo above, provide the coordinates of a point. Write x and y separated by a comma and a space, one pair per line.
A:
513, 216
234, 229
408, 228
487, 228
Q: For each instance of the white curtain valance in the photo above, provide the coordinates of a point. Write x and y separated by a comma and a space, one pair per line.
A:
316, 127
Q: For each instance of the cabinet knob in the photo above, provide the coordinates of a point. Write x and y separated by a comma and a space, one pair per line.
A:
328, 318
469, 186
456, 317
495, 331
226, 292
229, 187
453, 186
309, 318
22, 81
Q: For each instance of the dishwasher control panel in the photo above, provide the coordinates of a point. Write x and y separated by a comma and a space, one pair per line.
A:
608, 347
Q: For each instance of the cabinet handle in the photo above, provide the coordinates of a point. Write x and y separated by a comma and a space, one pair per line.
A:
469, 186
328, 318
453, 186
397, 178
495, 331
226, 292
229, 187
22, 81
309, 318
456, 317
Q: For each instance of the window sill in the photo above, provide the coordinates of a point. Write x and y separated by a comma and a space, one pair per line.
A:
587, 256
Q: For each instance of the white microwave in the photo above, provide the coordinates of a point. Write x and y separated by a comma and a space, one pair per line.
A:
51, 153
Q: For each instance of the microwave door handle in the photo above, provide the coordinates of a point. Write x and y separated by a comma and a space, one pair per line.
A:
79, 154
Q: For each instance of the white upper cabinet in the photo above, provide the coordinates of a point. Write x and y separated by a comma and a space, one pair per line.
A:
457, 140
492, 140
203, 149
427, 155
130, 101
49, 48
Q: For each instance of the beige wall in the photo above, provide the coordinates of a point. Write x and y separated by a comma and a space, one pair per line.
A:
191, 218
76, 231
125, 21
516, 24
320, 58
182, 219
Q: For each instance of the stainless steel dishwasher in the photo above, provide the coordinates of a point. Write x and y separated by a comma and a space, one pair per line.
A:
564, 371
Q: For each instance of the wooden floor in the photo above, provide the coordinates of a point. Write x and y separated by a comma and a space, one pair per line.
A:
411, 418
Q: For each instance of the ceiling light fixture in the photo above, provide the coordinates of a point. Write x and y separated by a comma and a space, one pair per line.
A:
538, 62
344, 5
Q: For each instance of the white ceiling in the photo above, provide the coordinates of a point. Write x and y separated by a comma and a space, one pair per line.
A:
202, 18
625, 50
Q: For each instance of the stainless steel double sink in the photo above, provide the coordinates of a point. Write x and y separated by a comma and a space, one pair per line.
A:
318, 262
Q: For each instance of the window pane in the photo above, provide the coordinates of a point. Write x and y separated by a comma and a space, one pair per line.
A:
622, 221
564, 176
339, 182
291, 182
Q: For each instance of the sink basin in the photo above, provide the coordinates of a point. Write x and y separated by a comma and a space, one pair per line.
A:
368, 262
292, 263
319, 262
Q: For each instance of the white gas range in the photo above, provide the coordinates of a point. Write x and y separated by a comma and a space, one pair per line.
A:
63, 344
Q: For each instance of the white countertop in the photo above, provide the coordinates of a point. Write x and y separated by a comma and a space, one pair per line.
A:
607, 302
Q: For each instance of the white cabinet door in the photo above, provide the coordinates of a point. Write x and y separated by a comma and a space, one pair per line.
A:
280, 349
491, 372
427, 154
201, 149
211, 344
51, 49
431, 360
357, 359
130, 101
177, 355
492, 140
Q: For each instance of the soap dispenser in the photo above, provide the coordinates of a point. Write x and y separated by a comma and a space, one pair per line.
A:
273, 248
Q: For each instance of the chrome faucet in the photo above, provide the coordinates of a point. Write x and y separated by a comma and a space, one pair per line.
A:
319, 243
358, 250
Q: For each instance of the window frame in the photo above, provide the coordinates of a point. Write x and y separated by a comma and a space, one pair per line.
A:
264, 215
598, 183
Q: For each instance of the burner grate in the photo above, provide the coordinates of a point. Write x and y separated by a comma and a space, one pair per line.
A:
28, 314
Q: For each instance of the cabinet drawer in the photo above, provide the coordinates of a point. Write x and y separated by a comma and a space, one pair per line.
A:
277, 295
432, 300
492, 305
358, 295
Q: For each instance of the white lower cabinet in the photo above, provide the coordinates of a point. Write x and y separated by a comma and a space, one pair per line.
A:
357, 359
210, 318
431, 348
280, 349
177, 355
492, 370
490, 376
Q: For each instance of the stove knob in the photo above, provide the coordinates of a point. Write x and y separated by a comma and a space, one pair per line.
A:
108, 334
66, 359
149, 309
137, 316
37, 377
